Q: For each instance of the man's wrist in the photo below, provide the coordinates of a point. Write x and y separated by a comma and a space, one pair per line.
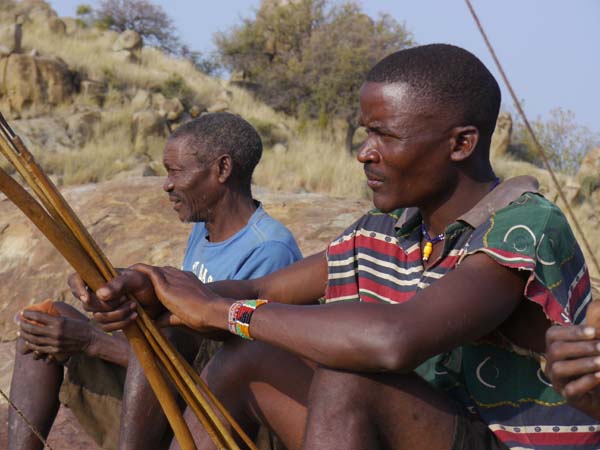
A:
219, 312
95, 342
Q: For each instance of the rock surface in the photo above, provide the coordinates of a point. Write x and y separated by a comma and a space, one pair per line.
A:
145, 124
128, 46
34, 82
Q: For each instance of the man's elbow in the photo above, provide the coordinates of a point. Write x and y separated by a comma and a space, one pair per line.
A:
395, 352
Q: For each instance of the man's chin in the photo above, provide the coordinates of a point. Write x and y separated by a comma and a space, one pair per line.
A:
185, 218
386, 205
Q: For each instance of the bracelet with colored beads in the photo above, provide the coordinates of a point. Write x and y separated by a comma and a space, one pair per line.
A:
240, 314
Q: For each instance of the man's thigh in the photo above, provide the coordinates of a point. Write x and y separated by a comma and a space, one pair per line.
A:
259, 383
387, 411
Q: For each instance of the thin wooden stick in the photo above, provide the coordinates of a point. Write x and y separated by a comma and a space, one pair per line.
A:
192, 401
192, 379
200, 382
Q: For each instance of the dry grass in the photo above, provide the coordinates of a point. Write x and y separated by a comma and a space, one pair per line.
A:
313, 163
98, 160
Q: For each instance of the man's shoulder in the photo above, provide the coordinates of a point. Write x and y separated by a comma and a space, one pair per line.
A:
533, 234
266, 234
528, 219
265, 228
533, 209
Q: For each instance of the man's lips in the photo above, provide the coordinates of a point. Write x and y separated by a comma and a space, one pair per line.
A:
176, 202
373, 180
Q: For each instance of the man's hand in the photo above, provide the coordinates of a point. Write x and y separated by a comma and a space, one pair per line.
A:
188, 300
573, 365
112, 305
55, 337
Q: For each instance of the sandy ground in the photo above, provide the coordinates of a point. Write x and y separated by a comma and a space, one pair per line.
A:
65, 434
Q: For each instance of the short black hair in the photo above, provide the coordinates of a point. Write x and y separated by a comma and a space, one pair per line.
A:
450, 77
215, 134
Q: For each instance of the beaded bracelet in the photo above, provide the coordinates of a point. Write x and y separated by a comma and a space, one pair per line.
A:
240, 314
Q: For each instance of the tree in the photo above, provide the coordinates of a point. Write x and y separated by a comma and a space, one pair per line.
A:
143, 16
207, 64
309, 58
563, 140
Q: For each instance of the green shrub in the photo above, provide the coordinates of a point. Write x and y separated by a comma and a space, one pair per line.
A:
176, 87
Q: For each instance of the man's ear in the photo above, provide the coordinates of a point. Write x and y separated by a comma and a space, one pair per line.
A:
224, 165
464, 142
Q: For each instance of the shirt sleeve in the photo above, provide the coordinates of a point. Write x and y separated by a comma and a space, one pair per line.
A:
266, 258
532, 234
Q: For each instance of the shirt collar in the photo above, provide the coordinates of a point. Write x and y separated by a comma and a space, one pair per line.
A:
504, 194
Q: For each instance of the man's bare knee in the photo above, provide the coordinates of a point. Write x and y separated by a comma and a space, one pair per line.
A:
339, 388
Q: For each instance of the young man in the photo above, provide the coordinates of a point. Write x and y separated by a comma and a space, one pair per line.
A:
209, 163
454, 276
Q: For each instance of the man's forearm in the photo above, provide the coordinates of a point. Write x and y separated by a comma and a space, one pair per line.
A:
237, 289
109, 347
381, 337
301, 283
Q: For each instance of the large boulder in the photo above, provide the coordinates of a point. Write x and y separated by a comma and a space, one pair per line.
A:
33, 82
501, 136
128, 46
145, 124
36, 10
57, 81
141, 100
72, 25
82, 125
20, 83
128, 40
93, 91
10, 38
168, 108
43, 135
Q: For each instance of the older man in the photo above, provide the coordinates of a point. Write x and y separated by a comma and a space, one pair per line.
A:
209, 163
454, 276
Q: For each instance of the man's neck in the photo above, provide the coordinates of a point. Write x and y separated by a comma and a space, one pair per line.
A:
230, 216
467, 194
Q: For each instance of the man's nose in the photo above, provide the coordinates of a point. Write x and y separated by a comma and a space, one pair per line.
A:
368, 153
168, 185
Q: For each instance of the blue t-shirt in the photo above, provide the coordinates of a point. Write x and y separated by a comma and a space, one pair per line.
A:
263, 246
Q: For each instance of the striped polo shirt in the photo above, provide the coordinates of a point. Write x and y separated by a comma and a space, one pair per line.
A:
378, 259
